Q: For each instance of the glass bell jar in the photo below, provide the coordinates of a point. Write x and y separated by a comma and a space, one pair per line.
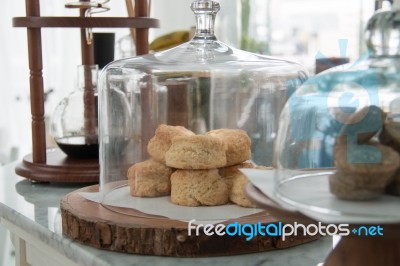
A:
74, 123
338, 140
185, 114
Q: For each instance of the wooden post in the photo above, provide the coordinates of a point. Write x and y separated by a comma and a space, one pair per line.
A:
148, 123
142, 47
87, 50
142, 35
179, 111
36, 85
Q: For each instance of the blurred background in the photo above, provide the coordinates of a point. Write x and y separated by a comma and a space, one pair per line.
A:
298, 30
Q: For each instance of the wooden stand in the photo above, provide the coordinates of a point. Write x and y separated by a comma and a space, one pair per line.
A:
59, 168
368, 251
351, 250
38, 166
129, 231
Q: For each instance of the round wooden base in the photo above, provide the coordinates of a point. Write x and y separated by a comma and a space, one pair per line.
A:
92, 224
351, 250
368, 250
59, 169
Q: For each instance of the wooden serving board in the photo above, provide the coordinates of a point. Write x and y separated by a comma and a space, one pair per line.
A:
130, 231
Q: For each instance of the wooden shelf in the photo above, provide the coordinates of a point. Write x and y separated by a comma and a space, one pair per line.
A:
85, 22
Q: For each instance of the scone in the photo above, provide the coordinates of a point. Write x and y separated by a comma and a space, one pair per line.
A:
161, 142
351, 191
363, 173
229, 171
394, 187
149, 179
236, 182
198, 187
390, 135
361, 126
196, 152
382, 161
238, 144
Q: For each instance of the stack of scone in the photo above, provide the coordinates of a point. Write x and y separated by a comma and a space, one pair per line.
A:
368, 167
362, 181
196, 170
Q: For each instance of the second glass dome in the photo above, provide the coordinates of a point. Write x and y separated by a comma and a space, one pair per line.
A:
339, 136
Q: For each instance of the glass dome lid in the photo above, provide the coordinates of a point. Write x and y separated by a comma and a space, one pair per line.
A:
204, 51
338, 138
202, 90
346, 102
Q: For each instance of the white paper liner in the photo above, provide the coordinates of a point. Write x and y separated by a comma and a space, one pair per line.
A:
311, 196
162, 206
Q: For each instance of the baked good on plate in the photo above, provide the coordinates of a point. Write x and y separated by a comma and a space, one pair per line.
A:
236, 182
162, 140
149, 179
363, 171
198, 187
196, 152
238, 144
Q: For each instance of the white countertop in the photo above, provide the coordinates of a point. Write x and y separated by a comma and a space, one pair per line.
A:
35, 208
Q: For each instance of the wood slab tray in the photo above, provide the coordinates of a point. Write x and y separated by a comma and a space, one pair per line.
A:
130, 231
